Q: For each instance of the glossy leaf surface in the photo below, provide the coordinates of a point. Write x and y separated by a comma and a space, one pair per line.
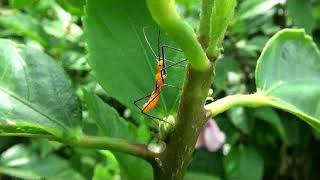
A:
288, 72
120, 57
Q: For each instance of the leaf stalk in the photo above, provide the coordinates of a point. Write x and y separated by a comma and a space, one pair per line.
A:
98, 142
228, 102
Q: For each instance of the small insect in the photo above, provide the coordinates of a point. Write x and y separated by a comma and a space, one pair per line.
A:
160, 77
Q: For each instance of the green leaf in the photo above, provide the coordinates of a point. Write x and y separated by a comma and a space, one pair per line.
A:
301, 13
20, 3
254, 16
187, 2
107, 119
111, 124
241, 119
197, 176
75, 7
21, 162
110, 170
270, 116
253, 8
288, 72
36, 97
119, 55
224, 67
243, 163
200, 163
298, 133
24, 25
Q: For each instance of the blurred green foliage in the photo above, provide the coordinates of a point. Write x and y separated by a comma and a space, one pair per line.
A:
261, 143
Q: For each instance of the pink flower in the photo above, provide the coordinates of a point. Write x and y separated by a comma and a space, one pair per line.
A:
211, 136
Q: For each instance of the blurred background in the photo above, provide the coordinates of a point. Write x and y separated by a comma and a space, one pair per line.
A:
251, 144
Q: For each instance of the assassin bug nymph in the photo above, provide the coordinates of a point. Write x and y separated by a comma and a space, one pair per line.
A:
160, 77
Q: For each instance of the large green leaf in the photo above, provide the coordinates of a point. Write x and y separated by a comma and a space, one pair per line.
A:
120, 58
36, 97
288, 72
111, 124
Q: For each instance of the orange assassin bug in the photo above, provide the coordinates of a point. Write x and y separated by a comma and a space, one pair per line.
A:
161, 75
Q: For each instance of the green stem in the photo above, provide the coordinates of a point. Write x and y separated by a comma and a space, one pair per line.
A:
251, 100
222, 13
96, 142
165, 14
173, 162
205, 19
116, 144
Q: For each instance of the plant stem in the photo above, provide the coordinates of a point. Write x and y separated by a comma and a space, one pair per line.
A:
251, 100
165, 14
190, 120
96, 142
116, 144
205, 26
173, 162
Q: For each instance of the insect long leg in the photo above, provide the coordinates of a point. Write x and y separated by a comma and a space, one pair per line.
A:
174, 64
141, 110
170, 66
169, 85
140, 99
167, 60
145, 37
172, 48
163, 56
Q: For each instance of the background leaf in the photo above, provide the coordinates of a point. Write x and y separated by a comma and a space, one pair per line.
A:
120, 58
301, 14
21, 162
20, 3
202, 176
111, 124
271, 117
75, 7
109, 170
35, 94
241, 119
243, 163
255, 7
23, 24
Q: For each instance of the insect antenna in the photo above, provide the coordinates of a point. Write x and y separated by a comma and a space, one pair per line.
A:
145, 37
